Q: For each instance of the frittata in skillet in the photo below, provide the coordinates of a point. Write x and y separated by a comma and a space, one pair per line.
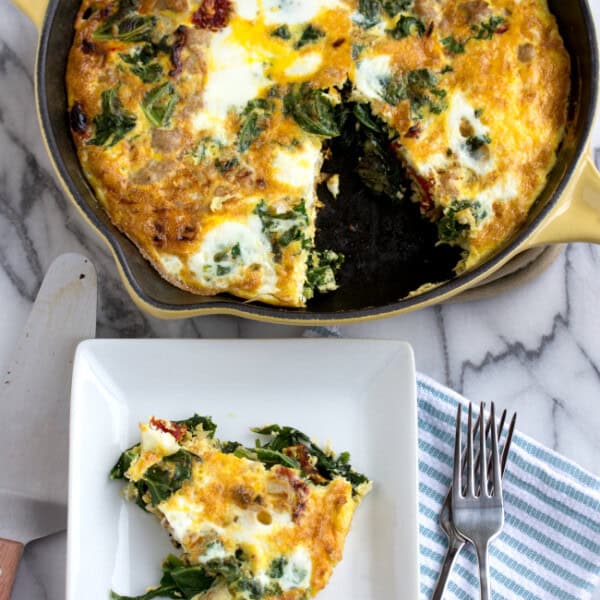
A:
267, 522
202, 125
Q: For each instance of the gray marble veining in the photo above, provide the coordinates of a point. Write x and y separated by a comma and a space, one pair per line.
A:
535, 349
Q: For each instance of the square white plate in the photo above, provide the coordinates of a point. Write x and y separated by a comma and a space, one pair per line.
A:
358, 394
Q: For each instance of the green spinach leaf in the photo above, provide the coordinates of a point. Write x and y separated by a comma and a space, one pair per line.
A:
365, 117
310, 35
192, 423
312, 110
140, 64
126, 25
124, 462
266, 456
369, 11
405, 26
282, 32
453, 45
476, 142
487, 29
284, 228
159, 103
178, 581
419, 87
328, 466
379, 169
165, 477
254, 120
223, 166
393, 7
113, 123
322, 265
451, 227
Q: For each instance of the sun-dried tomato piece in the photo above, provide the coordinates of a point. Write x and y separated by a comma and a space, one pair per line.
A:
426, 186
212, 14
301, 454
414, 131
177, 431
299, 486
78, 119
180, 42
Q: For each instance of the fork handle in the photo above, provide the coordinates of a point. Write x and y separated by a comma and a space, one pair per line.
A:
454, 546
484, 573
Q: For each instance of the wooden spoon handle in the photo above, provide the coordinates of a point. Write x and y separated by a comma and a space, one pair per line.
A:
10, 555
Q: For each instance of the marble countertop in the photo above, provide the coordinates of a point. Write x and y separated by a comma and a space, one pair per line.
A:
535, 349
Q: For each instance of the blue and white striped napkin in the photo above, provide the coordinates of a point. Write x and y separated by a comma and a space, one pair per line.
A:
550, 545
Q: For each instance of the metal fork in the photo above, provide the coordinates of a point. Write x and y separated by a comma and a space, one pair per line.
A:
455, 540
478, 518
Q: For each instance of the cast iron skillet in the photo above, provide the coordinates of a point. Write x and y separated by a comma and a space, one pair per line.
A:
390, 251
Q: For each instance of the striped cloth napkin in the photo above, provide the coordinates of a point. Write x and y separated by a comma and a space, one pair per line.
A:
550, 545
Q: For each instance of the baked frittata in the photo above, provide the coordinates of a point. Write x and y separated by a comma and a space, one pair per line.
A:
267, 522
202, 126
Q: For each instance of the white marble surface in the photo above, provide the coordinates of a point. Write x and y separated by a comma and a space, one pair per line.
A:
534, 349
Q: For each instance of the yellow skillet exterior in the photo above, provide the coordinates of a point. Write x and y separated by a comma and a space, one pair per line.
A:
577, 217
34, 9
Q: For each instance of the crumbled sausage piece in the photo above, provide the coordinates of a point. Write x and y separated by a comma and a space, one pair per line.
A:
526, 52
186, 233
153, 172
166, 140
466, 128
181, 34
428, 10
476, 10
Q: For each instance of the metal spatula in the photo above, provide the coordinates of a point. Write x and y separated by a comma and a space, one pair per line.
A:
34, 411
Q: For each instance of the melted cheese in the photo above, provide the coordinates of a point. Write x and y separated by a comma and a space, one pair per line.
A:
371, 73
294, 12
235, 76
298, 168
254, 252
155, 440
461, 114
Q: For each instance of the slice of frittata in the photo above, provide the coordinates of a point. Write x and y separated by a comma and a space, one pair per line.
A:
252, 523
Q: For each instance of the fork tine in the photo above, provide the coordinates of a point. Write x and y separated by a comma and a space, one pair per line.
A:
482, 452
457, 472
470, 465
487, 431
501, 424
496, 472
509, 436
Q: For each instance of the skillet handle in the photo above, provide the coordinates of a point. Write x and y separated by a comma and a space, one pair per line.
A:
34, 9
577, 218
